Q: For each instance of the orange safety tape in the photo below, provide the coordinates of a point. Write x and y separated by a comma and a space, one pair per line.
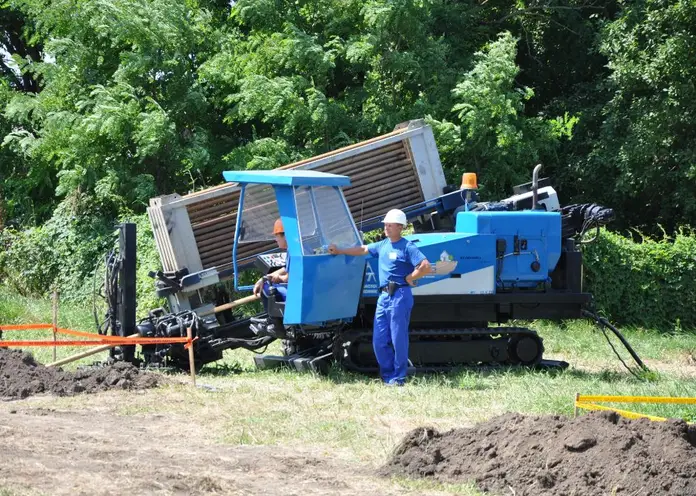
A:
72, 332
128, 342
98, 338
119, 339
25, 327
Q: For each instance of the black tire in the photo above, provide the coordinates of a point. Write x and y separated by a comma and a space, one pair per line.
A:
526, 349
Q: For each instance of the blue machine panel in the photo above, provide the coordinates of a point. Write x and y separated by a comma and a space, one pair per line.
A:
461, 264
292, 177
531, 241
314, 213
323, 288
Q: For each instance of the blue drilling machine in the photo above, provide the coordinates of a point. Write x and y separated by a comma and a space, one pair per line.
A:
492, 263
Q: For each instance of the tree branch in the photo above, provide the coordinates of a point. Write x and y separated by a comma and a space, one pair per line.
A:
531, 10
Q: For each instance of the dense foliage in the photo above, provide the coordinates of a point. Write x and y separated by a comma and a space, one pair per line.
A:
119, 100
650, 284
106, 103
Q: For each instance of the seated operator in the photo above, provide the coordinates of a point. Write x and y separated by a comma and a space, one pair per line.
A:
279, 278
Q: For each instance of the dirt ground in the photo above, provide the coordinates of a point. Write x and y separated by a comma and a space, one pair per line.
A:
96, 451
22, 376
93, 447
597, 453
76, 452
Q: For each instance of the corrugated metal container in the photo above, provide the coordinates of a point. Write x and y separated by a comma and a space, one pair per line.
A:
394, 170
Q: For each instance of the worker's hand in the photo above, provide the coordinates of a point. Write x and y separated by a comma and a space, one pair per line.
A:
274, 278
410, 281
258, 287
333, 249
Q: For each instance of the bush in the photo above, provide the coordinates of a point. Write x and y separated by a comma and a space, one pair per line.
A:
27, 261
60, 254
650, 284
64, 253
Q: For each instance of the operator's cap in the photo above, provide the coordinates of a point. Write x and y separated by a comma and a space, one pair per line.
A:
395, 216
278, 227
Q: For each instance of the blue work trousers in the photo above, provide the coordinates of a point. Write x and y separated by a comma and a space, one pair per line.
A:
390, 334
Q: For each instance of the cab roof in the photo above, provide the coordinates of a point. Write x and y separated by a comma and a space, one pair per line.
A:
292, 177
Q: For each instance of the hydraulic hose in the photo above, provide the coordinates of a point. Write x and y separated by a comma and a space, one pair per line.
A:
605, 324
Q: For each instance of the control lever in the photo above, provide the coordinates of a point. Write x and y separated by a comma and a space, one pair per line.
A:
169, 282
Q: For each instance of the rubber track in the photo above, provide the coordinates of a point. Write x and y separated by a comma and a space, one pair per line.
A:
496, 333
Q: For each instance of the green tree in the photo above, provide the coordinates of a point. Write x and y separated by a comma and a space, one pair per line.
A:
122, 109
20, 192
311, 76
491, 134
643, 157
16, 40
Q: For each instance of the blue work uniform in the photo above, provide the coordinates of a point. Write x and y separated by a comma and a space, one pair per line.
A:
281, 288
390, 331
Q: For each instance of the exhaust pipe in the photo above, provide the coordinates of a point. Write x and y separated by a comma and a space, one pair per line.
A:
535, 185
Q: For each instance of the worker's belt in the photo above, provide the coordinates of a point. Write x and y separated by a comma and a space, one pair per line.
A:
391, 288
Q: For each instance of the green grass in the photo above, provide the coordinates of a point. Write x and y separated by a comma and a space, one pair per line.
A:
365, 420
16, 309
14, 491
357, 416
420, 485
584, 341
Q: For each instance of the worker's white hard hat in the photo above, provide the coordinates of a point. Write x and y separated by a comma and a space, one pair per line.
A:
395, 216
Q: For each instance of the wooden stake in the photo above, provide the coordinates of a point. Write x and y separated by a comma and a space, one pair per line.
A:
86, 353
577, 396
55, 321
192, 365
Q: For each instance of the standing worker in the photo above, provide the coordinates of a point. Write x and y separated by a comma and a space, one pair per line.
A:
401, 263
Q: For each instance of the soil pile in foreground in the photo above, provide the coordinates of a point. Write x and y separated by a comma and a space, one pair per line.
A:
22, 376
598, 453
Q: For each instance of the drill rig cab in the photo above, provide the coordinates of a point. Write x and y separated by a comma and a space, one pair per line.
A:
321, 288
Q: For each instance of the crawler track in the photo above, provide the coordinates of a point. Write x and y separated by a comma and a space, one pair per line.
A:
442, 350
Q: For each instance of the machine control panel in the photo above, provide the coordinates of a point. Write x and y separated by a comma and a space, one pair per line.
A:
270, 261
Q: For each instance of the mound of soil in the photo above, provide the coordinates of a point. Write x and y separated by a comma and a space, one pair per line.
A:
594, 454
22, 376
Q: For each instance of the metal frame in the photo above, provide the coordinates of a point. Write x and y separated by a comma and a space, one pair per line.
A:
240, 209
173, 227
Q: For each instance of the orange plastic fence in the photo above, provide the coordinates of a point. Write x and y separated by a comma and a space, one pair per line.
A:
94, 339
25, 327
